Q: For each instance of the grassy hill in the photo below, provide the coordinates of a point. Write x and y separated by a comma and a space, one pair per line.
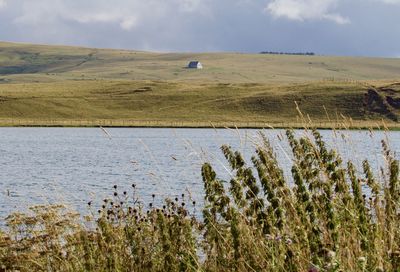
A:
54, 85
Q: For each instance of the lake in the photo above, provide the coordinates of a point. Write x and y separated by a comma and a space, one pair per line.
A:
76, 165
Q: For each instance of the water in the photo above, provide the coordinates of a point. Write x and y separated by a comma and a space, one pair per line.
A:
76, 165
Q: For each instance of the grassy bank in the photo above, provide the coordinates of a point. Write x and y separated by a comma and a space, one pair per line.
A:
180, 104
340, 124
70, 86
332, 217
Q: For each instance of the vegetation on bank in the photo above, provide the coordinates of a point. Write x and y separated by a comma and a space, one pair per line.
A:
329, 217
180, 104
288, 53
28, 63
53, 85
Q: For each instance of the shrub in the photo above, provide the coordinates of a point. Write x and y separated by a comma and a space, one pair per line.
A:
328, 217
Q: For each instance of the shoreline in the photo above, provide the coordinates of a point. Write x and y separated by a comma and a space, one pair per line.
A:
345, 124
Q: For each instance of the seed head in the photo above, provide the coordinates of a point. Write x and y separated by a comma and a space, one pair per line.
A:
331, 255
362, 259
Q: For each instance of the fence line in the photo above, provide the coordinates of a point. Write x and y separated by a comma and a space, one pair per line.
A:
177, 124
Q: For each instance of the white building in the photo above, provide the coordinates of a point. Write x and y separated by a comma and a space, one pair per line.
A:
195, 65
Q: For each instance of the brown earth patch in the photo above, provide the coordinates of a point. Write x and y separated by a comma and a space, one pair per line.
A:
384, 101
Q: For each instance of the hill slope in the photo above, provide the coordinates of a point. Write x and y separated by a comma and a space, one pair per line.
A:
45, 63
51, 85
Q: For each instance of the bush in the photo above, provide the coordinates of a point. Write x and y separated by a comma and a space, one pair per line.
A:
329, 217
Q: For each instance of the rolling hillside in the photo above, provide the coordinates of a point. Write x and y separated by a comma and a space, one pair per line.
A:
42, 84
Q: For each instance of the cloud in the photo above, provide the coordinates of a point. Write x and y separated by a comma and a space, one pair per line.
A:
208, 25
126, 22
3, 3
391, 1
189, 5
127, 14
302, 10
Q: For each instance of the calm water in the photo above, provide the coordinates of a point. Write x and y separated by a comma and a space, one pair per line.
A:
75, 165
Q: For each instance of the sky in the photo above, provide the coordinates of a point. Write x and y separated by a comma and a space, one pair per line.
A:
326, 27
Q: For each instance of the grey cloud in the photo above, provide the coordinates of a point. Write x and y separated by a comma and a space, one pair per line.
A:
126, 14
306, 10
3, 3
391, 1
209, 25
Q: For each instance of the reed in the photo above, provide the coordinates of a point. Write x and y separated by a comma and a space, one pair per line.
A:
329, 217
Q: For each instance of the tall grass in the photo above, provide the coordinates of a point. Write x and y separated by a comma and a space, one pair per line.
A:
329, 217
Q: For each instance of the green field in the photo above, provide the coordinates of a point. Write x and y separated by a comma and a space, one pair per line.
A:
58, 85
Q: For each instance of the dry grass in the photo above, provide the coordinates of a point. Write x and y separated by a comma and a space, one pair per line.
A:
179, 104
30, 63
333, 218
44, 85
